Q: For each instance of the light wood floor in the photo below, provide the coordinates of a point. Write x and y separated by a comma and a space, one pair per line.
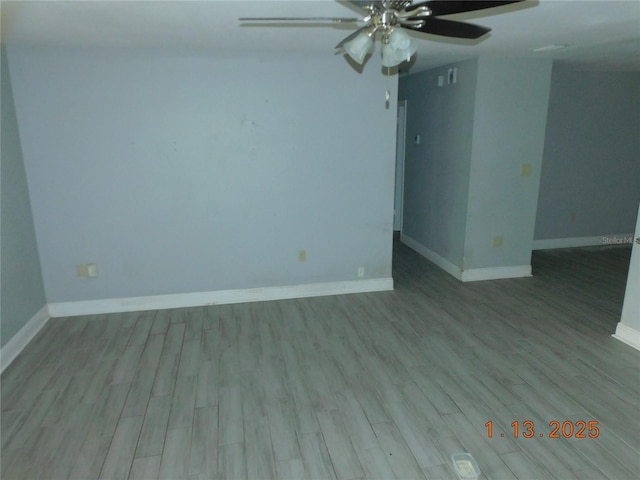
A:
385, 385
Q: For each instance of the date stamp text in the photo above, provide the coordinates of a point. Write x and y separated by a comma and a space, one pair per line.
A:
557, 429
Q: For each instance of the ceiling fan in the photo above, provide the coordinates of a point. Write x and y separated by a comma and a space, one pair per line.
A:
392, 18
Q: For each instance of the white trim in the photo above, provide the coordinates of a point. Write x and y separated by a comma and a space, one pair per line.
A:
496, 273
20, 340
401, 132
473, 275
599, 240
429, 254
628, 335
158, 302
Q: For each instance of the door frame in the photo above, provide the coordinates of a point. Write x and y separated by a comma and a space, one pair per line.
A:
401, 133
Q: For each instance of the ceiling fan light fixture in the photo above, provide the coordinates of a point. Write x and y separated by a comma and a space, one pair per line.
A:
388, 56
399, 39
397, 49
359, 47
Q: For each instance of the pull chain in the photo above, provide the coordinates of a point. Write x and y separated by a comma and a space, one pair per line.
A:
387, 95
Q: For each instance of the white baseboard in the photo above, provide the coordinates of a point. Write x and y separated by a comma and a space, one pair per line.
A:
158, 302
628, 335
600, 240
432, 256
10, 351
20, 340
473, 275
496, 273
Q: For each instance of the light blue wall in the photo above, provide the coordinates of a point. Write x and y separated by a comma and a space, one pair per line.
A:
590, 184
463, 182
178, 172
22, 290
509, 131
437, 169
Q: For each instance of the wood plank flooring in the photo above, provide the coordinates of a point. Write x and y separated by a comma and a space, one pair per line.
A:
377, 386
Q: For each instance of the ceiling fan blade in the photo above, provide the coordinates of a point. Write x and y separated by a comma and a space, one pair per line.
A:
444, 7
301, 19
365, 3
351, 37
449, 28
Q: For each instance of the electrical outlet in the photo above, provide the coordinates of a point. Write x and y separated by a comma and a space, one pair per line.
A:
89, 270
92, 270
302, 255
360, 272
525, 170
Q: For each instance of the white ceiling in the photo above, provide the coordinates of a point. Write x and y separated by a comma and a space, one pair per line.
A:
600, 34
